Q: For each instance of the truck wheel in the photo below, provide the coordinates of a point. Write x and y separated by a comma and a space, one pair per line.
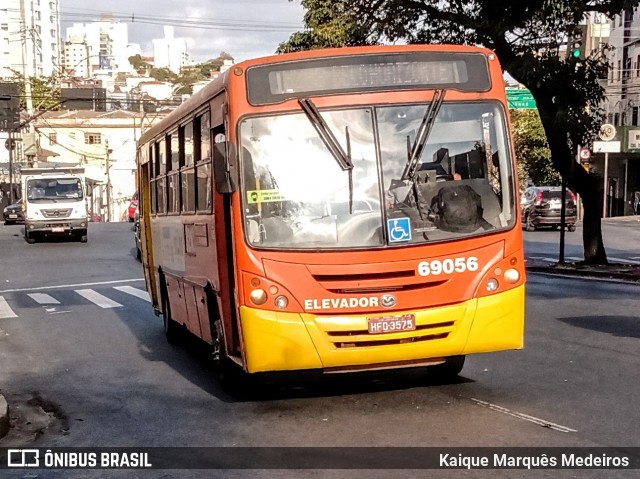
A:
83, 239
30, 239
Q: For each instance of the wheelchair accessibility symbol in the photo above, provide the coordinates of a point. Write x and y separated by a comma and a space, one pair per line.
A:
399, 229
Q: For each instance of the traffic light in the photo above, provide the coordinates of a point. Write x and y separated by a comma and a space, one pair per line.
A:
577, 42
9, 106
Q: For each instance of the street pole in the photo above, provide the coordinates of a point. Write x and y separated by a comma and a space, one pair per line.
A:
604, 191
106, 142
10, 140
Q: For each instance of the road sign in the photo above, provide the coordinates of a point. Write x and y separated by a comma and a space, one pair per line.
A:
520, 99
607, 132
606, 147
585, 154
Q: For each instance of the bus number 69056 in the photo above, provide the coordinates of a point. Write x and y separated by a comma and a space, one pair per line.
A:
447, 266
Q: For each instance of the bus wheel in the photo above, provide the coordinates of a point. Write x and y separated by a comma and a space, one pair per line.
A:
448, 370
572, 228
232, 379
171, 328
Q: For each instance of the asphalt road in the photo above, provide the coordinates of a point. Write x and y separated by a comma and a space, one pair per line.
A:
83, 343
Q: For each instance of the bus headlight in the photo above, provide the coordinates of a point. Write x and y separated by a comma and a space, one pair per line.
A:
258, 296
492, 284
512, 276
282, 302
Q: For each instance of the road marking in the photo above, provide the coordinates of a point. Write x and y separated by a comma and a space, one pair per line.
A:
138, 293
526, 417
98, 299
5, 309
61, 286
42, 298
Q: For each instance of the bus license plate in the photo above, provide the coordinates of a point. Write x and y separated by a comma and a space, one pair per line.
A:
57, 230
392, 324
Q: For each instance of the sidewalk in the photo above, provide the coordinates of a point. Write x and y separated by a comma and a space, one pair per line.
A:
613, 271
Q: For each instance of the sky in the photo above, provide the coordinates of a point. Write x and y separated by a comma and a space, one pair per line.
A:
243, 28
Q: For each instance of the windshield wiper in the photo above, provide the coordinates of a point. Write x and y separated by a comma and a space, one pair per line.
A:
414, 152
331, 142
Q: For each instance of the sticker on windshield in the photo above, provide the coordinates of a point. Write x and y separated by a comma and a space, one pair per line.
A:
399, 229
264, 196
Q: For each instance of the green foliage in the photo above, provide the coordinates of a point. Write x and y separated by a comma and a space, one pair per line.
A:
532, 150
45, 92
329, 24
138, 64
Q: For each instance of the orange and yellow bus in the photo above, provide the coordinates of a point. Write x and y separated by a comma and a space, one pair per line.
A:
338, 210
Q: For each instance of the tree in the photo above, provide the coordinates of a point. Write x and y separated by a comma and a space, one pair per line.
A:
527, 37
329, 24
138, 64
44, 92
532, 150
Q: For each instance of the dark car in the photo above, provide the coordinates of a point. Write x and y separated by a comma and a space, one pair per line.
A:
14, 213
541, 206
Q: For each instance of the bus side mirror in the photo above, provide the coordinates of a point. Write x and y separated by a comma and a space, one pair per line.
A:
225, 167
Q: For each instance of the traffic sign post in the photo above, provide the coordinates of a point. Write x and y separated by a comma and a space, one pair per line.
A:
520, 99
606, 146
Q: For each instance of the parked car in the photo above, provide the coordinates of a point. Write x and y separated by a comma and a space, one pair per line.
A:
541, 206
133, 207
14, 213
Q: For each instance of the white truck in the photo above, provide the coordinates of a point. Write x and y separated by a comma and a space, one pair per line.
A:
54, 203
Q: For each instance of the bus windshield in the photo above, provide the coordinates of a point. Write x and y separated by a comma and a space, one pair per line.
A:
296, 196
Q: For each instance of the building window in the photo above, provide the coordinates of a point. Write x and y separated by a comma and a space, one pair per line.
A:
619, 69
53, 138
92, 139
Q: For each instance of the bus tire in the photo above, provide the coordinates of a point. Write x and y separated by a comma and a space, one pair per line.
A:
231, 377
171, 328
448, 370
572, 228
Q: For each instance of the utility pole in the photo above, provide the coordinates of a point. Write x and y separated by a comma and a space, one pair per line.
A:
106, 142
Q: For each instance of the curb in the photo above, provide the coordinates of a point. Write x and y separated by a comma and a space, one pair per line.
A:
4, 417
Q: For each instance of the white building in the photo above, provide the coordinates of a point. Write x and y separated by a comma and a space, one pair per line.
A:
105, 45
170, 52
29, 38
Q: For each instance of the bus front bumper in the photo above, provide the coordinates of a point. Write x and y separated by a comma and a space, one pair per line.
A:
279, 341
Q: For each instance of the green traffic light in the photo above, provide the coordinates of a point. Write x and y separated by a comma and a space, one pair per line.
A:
576, 54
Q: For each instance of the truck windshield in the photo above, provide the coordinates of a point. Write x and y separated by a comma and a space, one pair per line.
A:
295, 195
54, 189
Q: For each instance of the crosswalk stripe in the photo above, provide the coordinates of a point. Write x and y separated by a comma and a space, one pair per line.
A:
5, 309
138, 293
97, 299
42, 298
